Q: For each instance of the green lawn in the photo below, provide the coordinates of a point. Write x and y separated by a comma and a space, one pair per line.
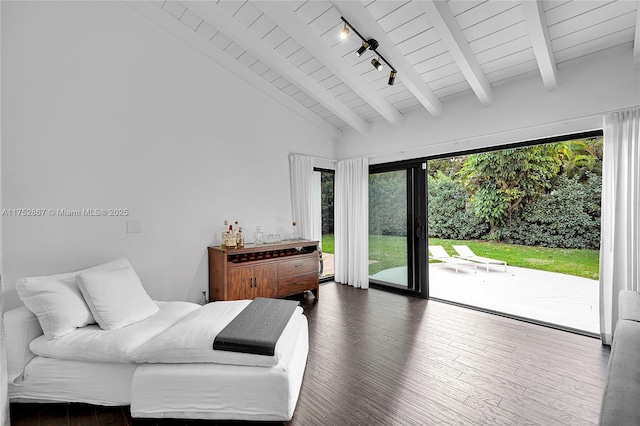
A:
581, 263
389, 252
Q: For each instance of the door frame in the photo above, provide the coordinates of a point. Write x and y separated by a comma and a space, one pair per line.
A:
417, 257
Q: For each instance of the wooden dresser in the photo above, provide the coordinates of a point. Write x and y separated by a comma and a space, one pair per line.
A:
267, 270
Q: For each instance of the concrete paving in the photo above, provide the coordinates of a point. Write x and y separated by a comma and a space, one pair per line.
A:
554, 298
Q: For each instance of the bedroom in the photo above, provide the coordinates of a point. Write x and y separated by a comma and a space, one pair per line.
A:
103, 109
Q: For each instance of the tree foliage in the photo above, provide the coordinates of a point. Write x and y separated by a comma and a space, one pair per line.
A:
327, 190
581, 156
388, 203
544, 195
449, 166
502, 181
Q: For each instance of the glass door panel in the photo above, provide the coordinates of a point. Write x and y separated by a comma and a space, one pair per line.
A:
388, 244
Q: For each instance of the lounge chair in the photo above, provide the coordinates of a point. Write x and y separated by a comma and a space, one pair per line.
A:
439, 253
466, 253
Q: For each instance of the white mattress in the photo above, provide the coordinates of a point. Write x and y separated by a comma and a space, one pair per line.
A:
230, 392
56, 380
93, 344
191, 339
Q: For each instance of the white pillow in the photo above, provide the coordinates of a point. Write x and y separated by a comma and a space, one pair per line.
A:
57, 301
116, 297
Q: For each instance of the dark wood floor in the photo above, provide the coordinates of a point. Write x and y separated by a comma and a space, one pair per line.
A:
380, 358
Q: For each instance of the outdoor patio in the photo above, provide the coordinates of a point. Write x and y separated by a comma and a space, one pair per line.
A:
550, 297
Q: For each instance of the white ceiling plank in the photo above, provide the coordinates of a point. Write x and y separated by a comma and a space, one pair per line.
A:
623, 37
380, 9
261, 50
636, 40
158, 17
287, 19
503, 22
573, 9
360, 17
500, 36
247, 14
597, 17
311, 10
536, 21
596, 31
446, 25
174, 8
485, 11
262, 26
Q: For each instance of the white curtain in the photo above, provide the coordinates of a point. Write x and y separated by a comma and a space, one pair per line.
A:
351, 221
301, 167
620, 245
4, 391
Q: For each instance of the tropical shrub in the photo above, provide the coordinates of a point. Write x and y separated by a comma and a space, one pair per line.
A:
450, 214
388, 204
567, 217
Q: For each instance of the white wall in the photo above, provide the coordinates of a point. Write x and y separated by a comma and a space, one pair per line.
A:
522, 110
101, 109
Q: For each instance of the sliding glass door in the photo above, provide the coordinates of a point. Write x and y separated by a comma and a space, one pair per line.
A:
397, 218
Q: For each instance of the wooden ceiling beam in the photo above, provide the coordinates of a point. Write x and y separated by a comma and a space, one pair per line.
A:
539, 34
447, 27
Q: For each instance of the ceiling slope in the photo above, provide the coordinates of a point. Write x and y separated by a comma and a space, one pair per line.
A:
291, 50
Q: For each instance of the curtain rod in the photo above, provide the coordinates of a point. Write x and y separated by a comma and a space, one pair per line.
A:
317, 158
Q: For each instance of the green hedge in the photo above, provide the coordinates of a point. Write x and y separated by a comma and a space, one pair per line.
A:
450, 214
567, 217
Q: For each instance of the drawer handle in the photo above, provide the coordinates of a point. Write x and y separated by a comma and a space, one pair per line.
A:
300, 283
297, 266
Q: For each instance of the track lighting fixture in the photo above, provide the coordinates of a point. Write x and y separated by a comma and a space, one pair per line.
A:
376, 63
369, 44
362, 49
345, 32
392, 77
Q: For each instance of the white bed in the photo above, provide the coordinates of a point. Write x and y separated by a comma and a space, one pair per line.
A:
56, 380
185, 391
163, 365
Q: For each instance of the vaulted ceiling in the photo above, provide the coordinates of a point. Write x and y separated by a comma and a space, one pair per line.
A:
292, 50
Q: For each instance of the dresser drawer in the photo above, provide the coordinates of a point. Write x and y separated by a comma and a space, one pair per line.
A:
303, 265
297, 284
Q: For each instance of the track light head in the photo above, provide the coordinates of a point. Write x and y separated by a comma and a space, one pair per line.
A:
392, 77
362, 48
376, 63
370, 44
345, 32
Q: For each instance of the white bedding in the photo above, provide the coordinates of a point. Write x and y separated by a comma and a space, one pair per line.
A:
53, 380
180, 332
93, 344
191, 339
